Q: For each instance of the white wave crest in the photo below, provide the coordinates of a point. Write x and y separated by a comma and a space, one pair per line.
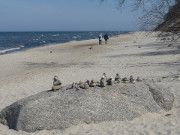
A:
10, 49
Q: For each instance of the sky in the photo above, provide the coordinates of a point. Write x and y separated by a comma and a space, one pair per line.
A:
65, 15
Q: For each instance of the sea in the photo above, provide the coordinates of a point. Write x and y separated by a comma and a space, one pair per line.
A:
18, 41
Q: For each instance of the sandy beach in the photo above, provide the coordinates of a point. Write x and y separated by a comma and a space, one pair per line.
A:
140, 54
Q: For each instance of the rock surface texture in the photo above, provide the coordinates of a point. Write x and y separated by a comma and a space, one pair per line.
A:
67, 107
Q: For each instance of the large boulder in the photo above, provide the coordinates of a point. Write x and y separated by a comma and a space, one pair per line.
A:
66, 107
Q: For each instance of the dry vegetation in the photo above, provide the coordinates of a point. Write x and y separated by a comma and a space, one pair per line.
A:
171, 20
161, 15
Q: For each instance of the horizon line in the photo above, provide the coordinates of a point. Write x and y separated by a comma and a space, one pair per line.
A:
71, 31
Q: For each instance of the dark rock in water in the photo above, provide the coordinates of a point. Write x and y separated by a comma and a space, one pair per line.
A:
62, 109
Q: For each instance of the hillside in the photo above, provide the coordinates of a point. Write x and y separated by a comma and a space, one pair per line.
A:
171, 20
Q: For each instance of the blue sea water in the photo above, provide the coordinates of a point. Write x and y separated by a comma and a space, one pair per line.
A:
18, 41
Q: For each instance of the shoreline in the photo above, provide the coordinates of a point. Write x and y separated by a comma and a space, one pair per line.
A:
23, 47
139, 54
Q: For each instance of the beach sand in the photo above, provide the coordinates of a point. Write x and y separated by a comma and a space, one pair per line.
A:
139, 54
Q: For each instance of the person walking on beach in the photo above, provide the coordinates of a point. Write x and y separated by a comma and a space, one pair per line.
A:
106, 38
100, 39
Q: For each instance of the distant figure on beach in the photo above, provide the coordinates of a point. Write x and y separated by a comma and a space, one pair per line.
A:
100, 39
56, 84
106, 38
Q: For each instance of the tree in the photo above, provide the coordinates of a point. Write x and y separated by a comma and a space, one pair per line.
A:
143, 3
151, 12
172, 19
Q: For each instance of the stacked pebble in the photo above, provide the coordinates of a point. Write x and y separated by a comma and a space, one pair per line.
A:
103, 82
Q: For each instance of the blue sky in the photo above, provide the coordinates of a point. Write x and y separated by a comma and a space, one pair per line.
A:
65, 15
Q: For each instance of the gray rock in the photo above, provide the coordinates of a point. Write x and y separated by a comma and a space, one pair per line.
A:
103, 82
117, 78
59, 110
